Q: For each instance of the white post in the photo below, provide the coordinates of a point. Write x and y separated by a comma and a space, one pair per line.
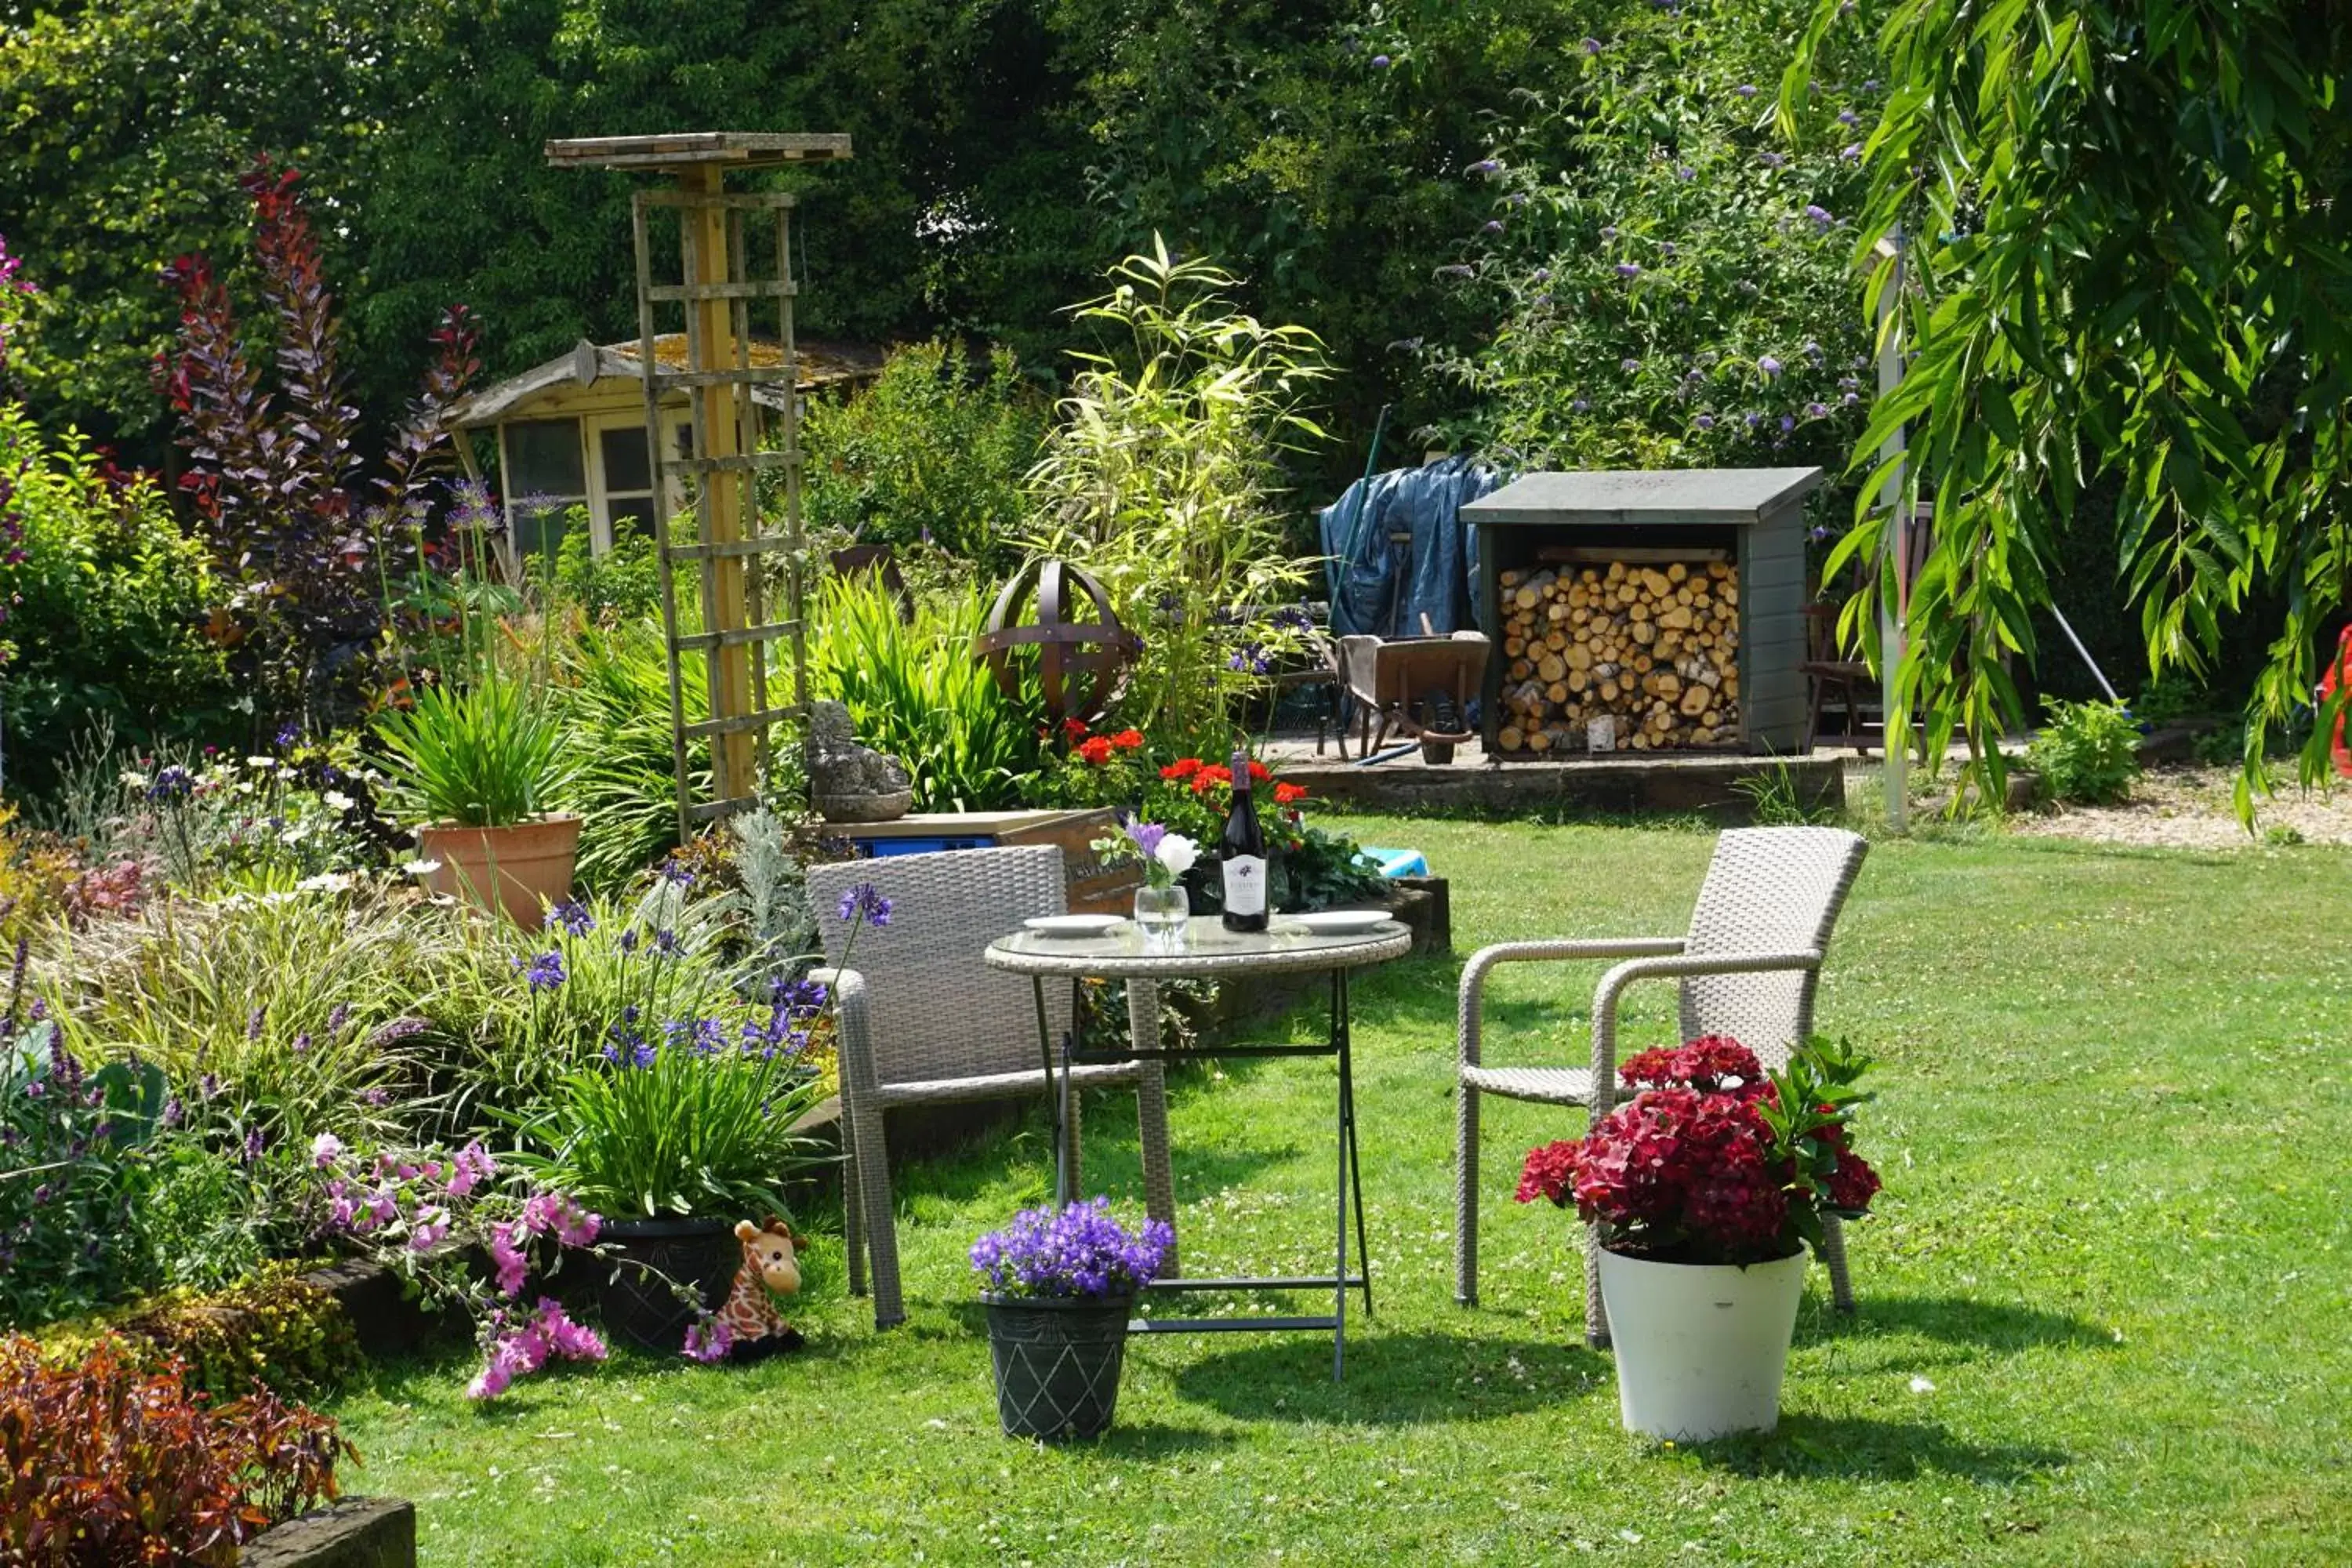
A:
1891, 617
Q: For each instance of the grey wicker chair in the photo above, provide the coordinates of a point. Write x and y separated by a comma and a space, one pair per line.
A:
924, 1021
1747, 969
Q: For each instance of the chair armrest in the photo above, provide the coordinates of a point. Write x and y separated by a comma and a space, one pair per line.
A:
1682, 967
853, 1035
1474, 974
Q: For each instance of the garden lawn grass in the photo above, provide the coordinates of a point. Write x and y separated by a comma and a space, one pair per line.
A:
2103, 1303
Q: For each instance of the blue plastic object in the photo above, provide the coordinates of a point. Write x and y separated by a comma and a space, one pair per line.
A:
1382, 583
1395, 862
882, 848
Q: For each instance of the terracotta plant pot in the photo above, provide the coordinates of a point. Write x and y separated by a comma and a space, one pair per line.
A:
531, 861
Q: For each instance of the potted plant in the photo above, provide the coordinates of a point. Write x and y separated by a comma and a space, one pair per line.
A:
482, 763
685, 1122
679, 1133
1060, 1285
1705, 1190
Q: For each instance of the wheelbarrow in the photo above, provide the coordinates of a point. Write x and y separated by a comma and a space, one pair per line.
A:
1417, 688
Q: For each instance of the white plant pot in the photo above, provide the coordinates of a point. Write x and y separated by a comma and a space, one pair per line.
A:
1700, 1346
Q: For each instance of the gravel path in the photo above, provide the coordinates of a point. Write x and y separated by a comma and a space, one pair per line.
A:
2188, 806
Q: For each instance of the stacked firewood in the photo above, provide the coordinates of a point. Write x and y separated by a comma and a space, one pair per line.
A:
1653, 646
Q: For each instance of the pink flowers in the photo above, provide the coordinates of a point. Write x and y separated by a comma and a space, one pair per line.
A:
506, 1257
325, 1149
553, 1214
709, 1340
519, 1350
472, 1167
430, 1229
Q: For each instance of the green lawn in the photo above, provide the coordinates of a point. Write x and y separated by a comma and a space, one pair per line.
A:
2104, 1305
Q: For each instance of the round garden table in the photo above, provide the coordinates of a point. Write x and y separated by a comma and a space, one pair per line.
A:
1211, 952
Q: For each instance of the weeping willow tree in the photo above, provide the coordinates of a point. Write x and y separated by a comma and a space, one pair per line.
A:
1161, 479
2126, 262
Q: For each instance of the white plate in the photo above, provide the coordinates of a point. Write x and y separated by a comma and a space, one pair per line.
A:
1073, 925
1341, 922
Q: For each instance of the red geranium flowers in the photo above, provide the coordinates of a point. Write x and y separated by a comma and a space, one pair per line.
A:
1706, 1164
1096, 749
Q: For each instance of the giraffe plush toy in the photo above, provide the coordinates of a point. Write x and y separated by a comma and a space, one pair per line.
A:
770, 1263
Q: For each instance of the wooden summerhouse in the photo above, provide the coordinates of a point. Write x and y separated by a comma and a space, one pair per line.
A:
572, 432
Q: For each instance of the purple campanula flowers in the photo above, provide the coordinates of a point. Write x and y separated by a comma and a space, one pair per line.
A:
572, 917
1629, 270
1821, 216
1768, 365
1077, 1251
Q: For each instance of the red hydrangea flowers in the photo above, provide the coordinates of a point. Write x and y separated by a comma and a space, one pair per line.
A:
1709, 1163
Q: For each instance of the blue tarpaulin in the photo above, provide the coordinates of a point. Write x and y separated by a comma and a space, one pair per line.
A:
1396, 549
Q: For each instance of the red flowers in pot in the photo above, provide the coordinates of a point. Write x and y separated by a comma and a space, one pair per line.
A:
1714, 1160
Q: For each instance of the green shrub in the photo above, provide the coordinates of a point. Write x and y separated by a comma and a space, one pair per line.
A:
1161, 479
1678, 291
2173, 695
105, 612
69, 1138
275, 1016
622, 776
934, 452
275, 1326
2088, 752
622, 585
916, 691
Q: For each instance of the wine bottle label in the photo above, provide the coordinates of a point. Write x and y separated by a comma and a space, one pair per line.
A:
1246, 884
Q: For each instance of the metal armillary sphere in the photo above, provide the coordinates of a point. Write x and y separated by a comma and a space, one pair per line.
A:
1080, 663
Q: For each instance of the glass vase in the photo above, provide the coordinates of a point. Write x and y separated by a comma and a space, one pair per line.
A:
1160, 915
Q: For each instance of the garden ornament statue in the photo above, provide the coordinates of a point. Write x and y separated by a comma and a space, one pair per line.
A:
771, 1268
847, 781
1080, 663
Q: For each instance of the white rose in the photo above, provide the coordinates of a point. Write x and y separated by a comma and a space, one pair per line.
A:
1178, 853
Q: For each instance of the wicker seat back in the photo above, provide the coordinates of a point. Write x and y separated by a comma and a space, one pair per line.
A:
937, 1011
1768, 890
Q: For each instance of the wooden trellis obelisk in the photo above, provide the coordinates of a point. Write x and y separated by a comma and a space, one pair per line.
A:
720, 552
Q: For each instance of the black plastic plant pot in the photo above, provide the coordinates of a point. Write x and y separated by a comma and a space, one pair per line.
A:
637, 1302
1057, 1362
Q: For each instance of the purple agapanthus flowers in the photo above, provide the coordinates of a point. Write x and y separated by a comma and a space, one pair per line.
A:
1077, 1251
865, 902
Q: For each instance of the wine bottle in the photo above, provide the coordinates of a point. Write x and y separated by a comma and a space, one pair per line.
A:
1245, 855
